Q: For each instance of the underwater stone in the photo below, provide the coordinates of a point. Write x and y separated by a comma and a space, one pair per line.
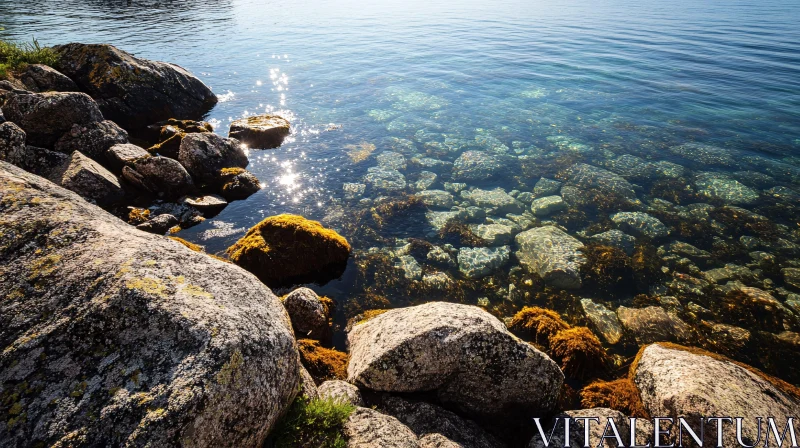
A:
260, 131
687, 250
385, 179
548, 205
438, 281
353, 190
706, 155
470, 359
674, 381
440, 256
410, 267
525, 197
552, 254
496, 201
653, 324
494, 234
640, 224
475, 214
436, 198
392, 160
792, 277
604, 320
437, 220
616, 238
210, 204
479, 165
454, 187
546, 187
425, 180
477, 262
586, 176
720, 186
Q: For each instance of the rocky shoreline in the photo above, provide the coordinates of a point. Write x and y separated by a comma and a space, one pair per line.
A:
117, 335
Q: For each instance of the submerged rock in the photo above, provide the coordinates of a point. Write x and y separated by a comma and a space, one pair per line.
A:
137, 349
687, 382
385, 179
238, 183
640, 224
45, 117
208, 205
603, 320
285, 250
724, 188
653, 324
205, 155
706, 155
260, 131
477, 262
547, 205
93, 139
392, 160
546, 187
436, 198
479, 165
90, 180
552, 254
41, 78
495, 201
494, 234
131, 91
585, 176
462, 352
616, 238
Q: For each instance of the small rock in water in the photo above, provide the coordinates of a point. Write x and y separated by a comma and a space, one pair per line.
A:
525, 197
792, 277
260, 131
425, 180
494, 234
385, 179
546, 187
653, 324
706, 155
353, 190
159, 224
616, 238
548, 205
496, 201
553, 254
208, 205
477, 262
604, 320
436, 198
205, 155
720, 186
641, 224
454, 187
437, 281
410, 267
307, 313
586, 176
392, 160
479, 165
437, 255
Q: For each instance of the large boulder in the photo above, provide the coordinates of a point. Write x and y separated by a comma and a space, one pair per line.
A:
553, 254
89, 179
260, 131
93, 139
131, 91
368, 428
12, 144
678, 382
285, 250
462, 352
45, 117
41, 78
205, 155
159, 176
115, 337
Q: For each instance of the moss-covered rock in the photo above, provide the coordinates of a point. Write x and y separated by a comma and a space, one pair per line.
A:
260, 131
115, 337
288, 249
322, 363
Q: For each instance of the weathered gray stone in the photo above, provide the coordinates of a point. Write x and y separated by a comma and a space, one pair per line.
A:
131, 91
676, 383
597, 427
210, 204
640, 224
548, 205
308, 314
367, 428
653, 324
425, 180
553, 254
603, 320
45, 117
41, 78
12, 145
159, 224
147, 342
260, 131
121, 155
308, 388
92, 139
340, 391
460, 351
87, 178
477, 262
436, 440
204, 155
585, 176
160, 176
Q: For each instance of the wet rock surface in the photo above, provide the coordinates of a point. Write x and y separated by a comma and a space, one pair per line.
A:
131, 91
137, 349
260, 131
429, 347
552, 254
204, 155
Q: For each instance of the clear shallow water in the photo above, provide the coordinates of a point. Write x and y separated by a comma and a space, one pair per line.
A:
592, 80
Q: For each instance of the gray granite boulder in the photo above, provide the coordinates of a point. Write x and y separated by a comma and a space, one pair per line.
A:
640, 224
89, 179
368, 428
260, 131
131, 91
12, 145
478, 262
552, 254
116, 337
462, 352
45, 117
41, 78
340, 391
125, 154
159, 176
677, 383
92, 139
308, 314
204, 155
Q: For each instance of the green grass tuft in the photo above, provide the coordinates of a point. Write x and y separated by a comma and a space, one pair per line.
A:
15, 55
313, 423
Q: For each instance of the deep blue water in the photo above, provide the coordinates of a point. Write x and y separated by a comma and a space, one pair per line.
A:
614, 77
